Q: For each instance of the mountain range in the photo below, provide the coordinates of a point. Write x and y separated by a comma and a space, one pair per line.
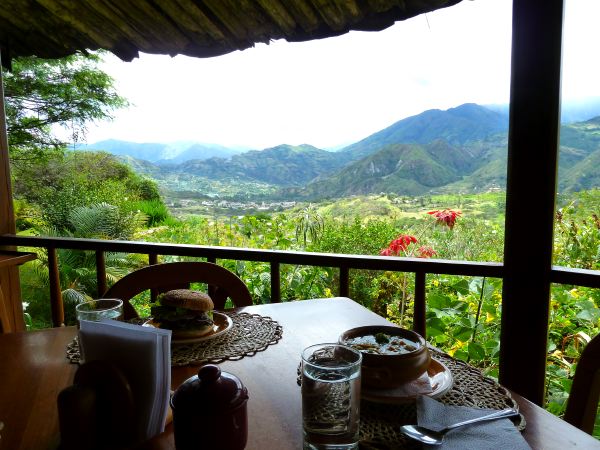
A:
462, 149
173, 153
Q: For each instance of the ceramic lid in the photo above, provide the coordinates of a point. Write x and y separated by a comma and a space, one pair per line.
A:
209, 391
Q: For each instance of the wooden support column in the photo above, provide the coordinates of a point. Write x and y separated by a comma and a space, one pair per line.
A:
100, 273
275, 282
530, 194
344, 281
420, 308
9, 277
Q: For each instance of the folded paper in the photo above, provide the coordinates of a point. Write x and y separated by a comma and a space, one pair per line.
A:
143, 354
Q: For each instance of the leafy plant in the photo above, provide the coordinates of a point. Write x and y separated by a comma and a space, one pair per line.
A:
155, 211
309, 224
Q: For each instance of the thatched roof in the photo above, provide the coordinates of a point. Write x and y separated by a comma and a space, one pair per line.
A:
202, 28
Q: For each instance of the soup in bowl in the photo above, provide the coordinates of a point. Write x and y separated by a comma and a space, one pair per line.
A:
392, 356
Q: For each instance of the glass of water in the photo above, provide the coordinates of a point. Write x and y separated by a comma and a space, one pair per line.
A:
331, 397
96, 310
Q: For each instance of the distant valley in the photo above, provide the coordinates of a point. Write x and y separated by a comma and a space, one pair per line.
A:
460, 150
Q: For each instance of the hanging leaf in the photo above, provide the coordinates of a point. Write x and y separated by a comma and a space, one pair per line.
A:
476, 351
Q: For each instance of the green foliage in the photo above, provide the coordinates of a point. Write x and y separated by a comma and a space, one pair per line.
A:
77, 269
577, 236
41, 94
104, 221
155, 211
309, 224
61, 183
147, 190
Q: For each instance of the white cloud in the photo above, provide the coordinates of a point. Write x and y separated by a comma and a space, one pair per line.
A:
330, 91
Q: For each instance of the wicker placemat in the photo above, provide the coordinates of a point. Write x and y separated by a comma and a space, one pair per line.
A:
249, 334
380, 423
379, 426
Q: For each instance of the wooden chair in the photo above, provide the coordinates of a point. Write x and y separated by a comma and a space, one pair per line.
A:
164, 277
585, 391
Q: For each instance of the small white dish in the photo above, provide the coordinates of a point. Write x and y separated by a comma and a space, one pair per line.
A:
440, 382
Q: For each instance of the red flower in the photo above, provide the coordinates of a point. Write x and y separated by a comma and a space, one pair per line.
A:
398, 245
425, 252
446, 217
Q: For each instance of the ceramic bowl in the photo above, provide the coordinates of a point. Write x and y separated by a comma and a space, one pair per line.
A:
390, 370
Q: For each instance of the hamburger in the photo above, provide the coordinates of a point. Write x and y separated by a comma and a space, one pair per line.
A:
188, 314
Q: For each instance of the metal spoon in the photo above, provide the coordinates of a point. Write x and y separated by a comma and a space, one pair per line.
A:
431, 437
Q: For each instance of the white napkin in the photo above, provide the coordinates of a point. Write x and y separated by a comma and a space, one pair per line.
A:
144, 356
492, 435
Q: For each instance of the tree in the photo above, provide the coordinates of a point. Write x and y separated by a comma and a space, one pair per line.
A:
309, 223
42, 94
60, 183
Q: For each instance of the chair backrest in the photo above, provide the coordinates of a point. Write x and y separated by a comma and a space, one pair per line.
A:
164, 277
582, 405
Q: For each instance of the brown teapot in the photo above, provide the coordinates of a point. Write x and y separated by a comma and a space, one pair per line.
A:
209, 411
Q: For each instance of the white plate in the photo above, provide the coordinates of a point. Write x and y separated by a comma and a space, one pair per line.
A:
440, 379
222, 324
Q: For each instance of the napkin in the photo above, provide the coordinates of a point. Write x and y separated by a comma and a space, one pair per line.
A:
143, 354
492, 435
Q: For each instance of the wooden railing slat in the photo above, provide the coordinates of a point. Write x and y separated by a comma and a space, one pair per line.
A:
344, 281
100, 273
56, 302
275, 282
153, 259
419, 322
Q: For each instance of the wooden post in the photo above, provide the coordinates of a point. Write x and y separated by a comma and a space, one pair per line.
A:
344, 281
57, 305
419, 316
530, 194
9, 277
275, 282
100, 273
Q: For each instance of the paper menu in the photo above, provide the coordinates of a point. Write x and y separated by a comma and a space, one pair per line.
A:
143, 354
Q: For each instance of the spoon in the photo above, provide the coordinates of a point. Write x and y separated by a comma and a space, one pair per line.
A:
431, 437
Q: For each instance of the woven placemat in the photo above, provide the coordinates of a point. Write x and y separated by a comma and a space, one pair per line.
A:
380, 423
249, 334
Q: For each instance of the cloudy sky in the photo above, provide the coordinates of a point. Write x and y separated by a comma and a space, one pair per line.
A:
336, 91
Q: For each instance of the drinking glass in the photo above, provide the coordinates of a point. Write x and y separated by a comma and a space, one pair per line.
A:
330, 397
96, 310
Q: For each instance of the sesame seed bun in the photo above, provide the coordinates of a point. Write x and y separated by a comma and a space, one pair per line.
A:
186, 298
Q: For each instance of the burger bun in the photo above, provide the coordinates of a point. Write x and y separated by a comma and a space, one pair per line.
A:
188, 299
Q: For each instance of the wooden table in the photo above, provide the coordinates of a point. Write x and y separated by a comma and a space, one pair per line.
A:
33, 369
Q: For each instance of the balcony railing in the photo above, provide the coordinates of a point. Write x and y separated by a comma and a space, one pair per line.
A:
420, 267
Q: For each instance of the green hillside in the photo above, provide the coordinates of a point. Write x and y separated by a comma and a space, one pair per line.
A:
584, 136
457, 126
284, 165
409, 169
581, 176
